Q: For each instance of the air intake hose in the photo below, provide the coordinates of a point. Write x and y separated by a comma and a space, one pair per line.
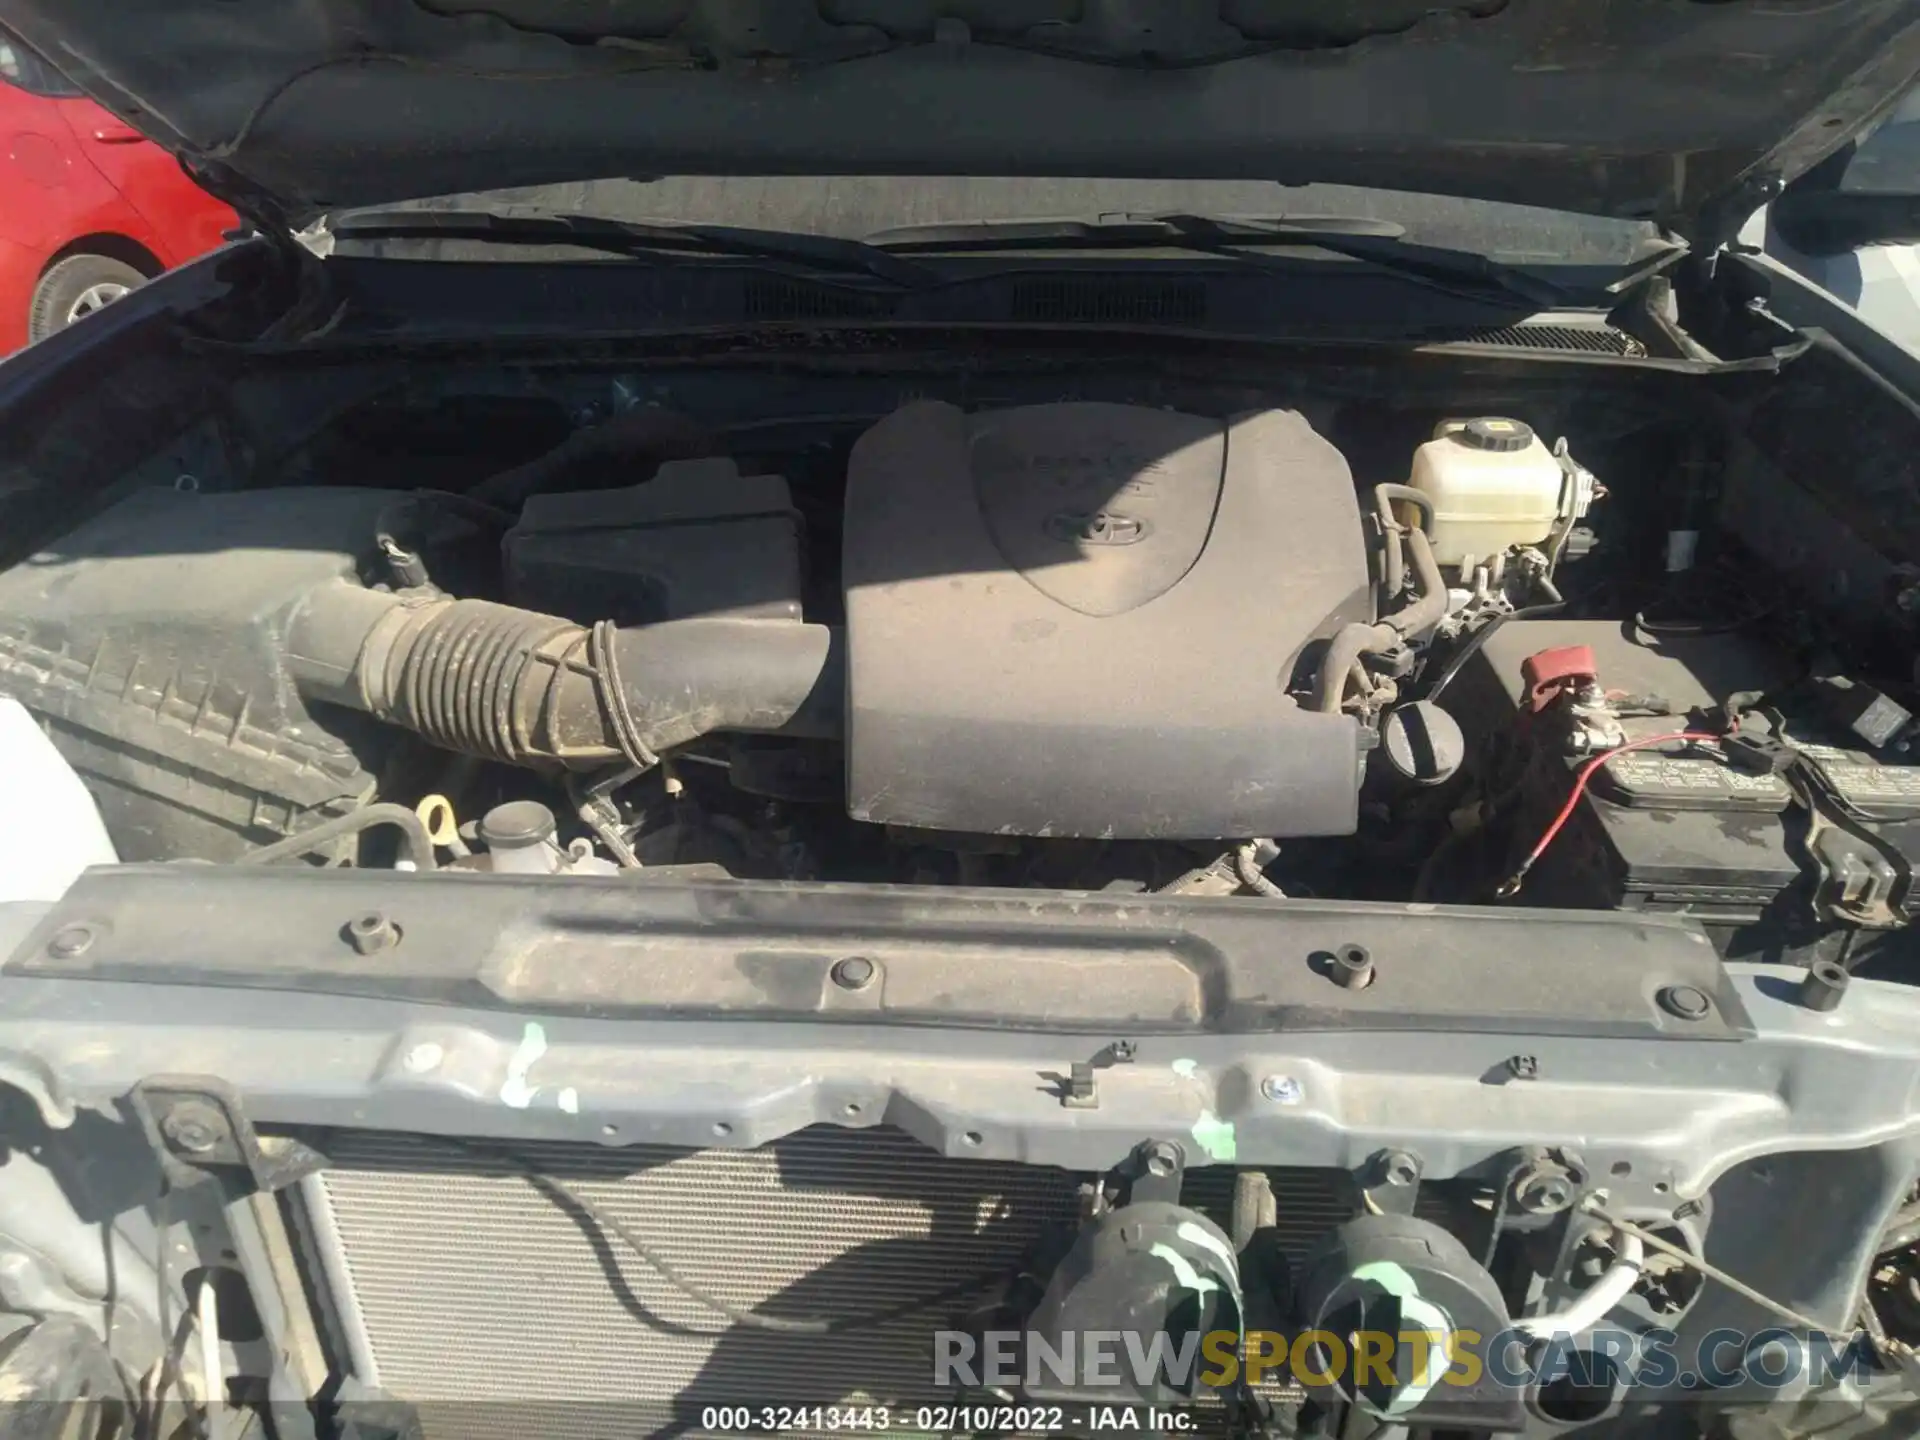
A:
529, 689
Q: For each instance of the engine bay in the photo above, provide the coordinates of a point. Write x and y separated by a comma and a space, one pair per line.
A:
1326, 648
1176, 811
1120, 747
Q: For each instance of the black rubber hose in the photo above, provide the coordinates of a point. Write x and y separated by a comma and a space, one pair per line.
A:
419, 843
1343, 653
1431, 606
528, 689
1393, 558
1426, 611
691, 677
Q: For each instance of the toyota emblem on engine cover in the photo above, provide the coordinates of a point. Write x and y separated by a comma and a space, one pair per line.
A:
1100, 527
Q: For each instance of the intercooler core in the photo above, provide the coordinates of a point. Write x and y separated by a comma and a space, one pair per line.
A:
464, 1290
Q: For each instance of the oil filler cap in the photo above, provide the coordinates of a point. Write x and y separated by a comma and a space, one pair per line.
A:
1490, 432
1423, 743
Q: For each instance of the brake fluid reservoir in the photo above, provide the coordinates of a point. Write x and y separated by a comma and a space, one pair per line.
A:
1494, 485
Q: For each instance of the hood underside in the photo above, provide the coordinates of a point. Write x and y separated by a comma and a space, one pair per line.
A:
1679, 111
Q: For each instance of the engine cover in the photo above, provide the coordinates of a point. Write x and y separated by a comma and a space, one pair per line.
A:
1084, 620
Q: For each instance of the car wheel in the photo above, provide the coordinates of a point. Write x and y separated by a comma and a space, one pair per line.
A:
77, 286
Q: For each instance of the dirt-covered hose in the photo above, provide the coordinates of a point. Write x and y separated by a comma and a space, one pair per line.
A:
529, 689
1349, 644
419, 843
1392, 553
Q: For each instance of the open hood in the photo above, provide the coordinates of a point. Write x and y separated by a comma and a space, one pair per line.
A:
1685, 112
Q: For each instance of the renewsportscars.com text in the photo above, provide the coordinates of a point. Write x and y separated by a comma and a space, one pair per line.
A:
1424, 1359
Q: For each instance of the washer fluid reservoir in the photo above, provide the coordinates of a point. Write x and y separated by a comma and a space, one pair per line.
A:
1495, 485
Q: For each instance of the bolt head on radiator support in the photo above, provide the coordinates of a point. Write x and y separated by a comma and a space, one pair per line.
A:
198, 1130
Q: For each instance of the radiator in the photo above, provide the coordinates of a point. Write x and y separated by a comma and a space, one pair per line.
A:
471, 1295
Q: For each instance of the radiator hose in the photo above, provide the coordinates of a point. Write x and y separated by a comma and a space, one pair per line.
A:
529, 689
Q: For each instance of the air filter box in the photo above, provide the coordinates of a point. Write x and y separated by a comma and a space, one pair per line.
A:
149, 642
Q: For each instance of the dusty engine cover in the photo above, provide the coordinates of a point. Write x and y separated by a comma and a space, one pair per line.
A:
1083, 619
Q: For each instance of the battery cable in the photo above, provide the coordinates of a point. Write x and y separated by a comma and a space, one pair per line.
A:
1511, 885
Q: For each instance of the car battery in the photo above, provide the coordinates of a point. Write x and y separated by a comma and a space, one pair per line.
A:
1678, 829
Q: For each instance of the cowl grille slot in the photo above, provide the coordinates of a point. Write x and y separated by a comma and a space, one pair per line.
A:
796, 300
1581, 339
1109, 302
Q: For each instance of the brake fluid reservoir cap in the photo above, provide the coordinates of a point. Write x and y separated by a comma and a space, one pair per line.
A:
1492, 433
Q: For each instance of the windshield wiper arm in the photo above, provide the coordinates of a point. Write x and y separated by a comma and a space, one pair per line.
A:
634, 237
1118, 227
1376, 242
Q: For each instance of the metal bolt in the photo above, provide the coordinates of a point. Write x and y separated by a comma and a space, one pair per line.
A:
1162, 1159
372, 932
1524, 1067
1282, 1089
1352, 967
1543, 1192
1685, 1002
1399, 1168
424, 1057
856, 972
1824, 985
193, 1127
70, 941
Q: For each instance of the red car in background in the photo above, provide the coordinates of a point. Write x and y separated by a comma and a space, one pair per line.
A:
89, 208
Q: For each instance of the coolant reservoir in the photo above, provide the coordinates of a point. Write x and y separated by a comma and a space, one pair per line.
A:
1494, 485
